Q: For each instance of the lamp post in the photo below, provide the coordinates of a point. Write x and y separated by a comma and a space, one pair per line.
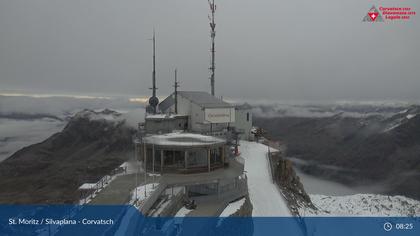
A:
145, 170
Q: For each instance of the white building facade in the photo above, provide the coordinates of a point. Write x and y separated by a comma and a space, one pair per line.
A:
206, 113
243, 121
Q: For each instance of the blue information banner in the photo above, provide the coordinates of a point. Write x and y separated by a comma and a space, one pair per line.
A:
124, 220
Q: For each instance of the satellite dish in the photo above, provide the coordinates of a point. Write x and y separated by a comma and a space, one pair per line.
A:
153, 101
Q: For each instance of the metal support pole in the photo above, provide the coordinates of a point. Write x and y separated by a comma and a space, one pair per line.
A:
135, 156
186, 159
218, 187
223, 155
153, 164
208, 158
173, 157
161, 161
145, 170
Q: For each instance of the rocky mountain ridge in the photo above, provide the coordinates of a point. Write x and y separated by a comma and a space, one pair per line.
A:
358, 150
89, 147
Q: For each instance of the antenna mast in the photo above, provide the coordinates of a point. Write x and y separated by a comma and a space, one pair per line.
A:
154, 101
176, 86
212, 35
154, 65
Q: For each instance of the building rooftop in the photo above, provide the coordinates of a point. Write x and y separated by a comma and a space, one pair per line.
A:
182, 139
203, 99
163, 116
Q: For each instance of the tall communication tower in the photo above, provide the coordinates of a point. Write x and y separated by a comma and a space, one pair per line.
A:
153, 101
213, 35
176, 86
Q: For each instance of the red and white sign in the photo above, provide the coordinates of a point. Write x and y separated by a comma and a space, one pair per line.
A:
373, 15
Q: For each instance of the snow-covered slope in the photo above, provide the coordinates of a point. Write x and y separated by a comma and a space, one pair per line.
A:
267, 199
232, 208
363, 205
264, 194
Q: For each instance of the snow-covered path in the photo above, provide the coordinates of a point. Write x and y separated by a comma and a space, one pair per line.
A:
263, 193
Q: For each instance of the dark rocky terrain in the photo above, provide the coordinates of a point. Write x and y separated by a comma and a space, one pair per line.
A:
89, 147
355, 150
292, 187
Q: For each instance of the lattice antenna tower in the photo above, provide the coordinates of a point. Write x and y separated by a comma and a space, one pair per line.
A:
212, 49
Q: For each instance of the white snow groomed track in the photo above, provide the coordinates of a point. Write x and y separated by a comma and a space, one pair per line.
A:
263, 193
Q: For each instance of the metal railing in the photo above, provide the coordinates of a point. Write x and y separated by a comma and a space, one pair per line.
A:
148, 203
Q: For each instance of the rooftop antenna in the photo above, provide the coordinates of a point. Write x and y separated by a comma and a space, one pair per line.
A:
212, 35
176, 86
154, 101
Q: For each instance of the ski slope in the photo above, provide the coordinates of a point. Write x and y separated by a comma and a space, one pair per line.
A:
264, 194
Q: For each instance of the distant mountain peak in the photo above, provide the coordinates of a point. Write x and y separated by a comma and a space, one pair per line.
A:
105, 115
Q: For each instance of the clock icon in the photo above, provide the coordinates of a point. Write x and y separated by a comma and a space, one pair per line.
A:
387, 226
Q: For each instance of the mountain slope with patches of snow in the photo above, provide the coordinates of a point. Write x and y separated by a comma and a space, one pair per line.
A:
91, 145
380, 149
363, 205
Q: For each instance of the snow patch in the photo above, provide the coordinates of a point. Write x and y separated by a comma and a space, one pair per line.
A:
88, 186
409, 116
265, 196
392, 127
131, 167
232, 208
182, 212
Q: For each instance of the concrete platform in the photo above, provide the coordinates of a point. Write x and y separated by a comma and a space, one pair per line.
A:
118, 191
234, 170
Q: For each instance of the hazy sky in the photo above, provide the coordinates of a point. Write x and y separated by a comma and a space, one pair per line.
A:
266, 49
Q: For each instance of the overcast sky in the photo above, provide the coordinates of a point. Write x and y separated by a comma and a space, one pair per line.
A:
266, 49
